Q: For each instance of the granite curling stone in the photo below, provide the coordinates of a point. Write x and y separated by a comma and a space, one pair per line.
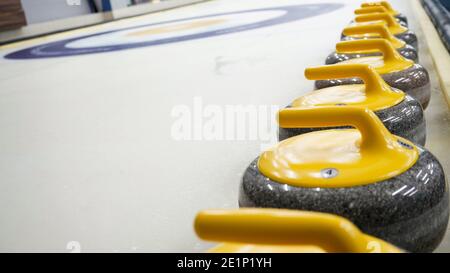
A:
386, 185
382, 31
394, 27
398, 72
401, 114
284, 231
385, 7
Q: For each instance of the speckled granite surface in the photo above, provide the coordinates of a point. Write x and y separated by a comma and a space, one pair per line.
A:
409, 210
407, 51
414, 81
405, 119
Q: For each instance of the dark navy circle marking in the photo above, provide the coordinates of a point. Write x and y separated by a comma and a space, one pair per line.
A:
59, 49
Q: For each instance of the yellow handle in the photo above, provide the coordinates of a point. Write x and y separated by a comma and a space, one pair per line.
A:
380, 29
374, 136
370, 9
390, 54
280, 227
386, 17
385, 4
372, 80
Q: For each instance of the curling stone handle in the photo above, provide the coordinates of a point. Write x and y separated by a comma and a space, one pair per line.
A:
390, 54
372, 80
370, 9
379, 29
280, 227
374, 135
386, 17
385, 4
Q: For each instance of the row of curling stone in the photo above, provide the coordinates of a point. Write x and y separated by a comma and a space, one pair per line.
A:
385, 184
284, 231
397, 29
397, 71
400, 113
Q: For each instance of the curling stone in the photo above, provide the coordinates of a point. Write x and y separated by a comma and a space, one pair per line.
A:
398, 72
284, 231
401, 114
385, 6
382, 31
394, 27
386, 185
